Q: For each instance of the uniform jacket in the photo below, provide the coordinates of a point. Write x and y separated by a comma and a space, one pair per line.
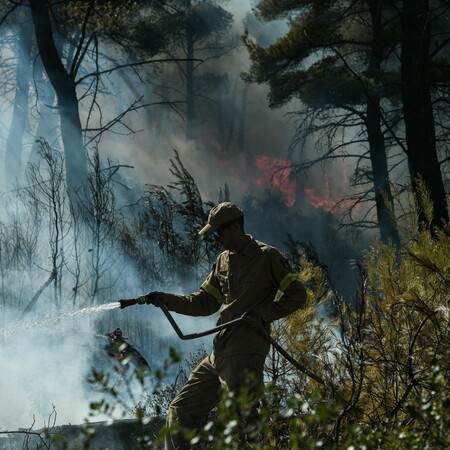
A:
240, 283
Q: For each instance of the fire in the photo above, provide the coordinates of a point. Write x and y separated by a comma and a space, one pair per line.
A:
328, 201
261, 170
275, 172
320, 201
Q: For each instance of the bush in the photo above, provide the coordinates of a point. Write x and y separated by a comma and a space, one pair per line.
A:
381, 362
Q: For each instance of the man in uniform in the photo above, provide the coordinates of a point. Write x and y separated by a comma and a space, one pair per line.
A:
244, 280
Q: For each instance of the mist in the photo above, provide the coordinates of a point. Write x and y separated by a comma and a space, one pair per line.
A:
44, 366
48, 353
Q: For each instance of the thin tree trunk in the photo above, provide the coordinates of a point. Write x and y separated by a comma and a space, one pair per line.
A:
14, 143
190, 87
48, 117
377, 148
380, 173
36, 296
64, 85
417, 106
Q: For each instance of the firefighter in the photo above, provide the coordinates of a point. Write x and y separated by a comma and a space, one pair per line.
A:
245, 279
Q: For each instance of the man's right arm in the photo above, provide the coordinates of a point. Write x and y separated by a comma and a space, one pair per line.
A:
204, 302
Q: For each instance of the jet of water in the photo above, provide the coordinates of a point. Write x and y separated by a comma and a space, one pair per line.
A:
55, 318
95, 309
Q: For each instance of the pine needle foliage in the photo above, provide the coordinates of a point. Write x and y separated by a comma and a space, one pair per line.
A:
394, 344
383, 356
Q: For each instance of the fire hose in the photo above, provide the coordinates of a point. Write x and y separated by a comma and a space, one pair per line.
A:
129, 302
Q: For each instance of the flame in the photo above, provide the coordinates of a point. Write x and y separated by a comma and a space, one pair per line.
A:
262, 170
328, 201
275, 172
320, 201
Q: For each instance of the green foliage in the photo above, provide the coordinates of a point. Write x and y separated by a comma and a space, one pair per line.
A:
383, 359
98, 16
398, 335
158, 402
290, 65
338, 59
383, 356
199, 20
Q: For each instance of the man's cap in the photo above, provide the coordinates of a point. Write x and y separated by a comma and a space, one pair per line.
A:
221, 214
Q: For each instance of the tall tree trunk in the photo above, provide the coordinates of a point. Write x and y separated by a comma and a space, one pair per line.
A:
64, 85
48, 118
417, 107
380, 172
14, 143
377, 148
190, 87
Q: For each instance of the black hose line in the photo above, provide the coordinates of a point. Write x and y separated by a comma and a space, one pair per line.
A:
187, 337
234, 322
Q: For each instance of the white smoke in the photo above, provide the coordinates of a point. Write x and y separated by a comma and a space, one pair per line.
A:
44, 366
47, 362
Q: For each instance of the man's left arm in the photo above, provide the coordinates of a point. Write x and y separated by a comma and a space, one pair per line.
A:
294, 293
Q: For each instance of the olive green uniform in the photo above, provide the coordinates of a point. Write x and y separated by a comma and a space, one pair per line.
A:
238, 283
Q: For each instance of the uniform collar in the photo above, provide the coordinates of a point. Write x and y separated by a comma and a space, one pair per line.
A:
251, 250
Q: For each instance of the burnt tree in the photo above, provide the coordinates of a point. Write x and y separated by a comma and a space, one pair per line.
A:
417, 106
64, 85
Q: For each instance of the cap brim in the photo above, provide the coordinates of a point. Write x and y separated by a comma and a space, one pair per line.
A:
207, 230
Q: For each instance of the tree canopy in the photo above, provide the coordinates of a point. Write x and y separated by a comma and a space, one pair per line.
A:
341, 56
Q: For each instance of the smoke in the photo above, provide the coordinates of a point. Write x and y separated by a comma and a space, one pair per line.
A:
47, 358
47, 363
43, 366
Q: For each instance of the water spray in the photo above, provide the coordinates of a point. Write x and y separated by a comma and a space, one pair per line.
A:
54, 319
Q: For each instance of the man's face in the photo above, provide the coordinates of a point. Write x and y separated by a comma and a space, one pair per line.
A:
226, 235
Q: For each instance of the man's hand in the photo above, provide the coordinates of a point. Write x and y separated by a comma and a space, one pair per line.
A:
152, 298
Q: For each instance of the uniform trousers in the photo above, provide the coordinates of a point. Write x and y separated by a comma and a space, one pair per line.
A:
201, 393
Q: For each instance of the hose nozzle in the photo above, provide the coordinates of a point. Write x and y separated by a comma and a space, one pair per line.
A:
127, 302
